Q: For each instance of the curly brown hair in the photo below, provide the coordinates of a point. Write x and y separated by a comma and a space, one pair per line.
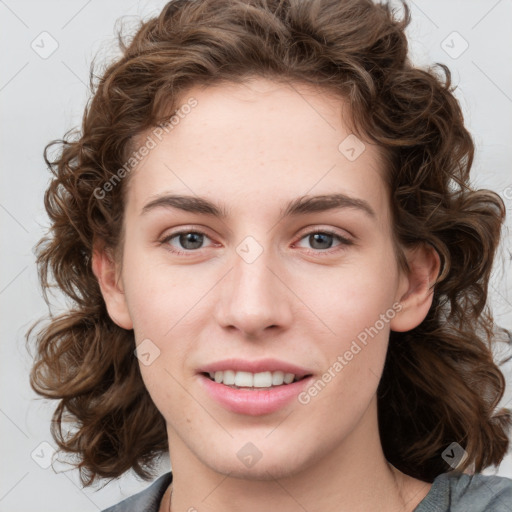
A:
440, 382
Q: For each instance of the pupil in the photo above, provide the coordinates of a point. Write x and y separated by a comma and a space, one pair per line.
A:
321, 237
195, 238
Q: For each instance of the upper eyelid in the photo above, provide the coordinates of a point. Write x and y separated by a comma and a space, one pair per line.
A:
330, 230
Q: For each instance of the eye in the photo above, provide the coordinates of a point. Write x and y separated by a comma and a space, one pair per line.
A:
321, 240
188, 240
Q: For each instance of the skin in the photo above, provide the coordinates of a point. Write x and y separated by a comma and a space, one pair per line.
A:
252, 148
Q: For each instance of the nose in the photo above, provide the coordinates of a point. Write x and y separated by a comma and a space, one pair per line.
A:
254, 297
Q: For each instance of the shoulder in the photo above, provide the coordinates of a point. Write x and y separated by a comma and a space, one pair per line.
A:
475, 493
147, 500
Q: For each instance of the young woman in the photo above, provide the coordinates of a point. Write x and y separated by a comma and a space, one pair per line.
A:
279, 270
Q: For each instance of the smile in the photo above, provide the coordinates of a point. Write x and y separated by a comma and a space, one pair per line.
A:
253, 388
240, 379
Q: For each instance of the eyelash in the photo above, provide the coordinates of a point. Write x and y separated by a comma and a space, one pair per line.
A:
344, 242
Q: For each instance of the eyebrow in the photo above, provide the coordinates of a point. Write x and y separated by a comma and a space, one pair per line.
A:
299, 206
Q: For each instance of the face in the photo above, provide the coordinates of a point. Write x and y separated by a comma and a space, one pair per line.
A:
260, 282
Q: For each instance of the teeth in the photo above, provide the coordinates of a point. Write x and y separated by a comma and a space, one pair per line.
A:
243, 379
229, 377
263, 380
288, 378
278, 378
252, 380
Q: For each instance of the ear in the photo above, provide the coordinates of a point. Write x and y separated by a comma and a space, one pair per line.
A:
416, 290
106, 272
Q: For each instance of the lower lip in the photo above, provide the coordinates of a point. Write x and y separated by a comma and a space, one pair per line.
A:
253, 402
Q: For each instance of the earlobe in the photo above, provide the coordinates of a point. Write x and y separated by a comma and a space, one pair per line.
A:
105, 270
416, 291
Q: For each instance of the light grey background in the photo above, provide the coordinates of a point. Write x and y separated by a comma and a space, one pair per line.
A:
42, 96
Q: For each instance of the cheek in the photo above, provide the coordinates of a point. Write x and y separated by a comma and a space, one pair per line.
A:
357, 305
352, 297
157, 296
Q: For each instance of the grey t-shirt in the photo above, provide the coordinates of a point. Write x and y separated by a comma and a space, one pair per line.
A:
459, 492
450, 492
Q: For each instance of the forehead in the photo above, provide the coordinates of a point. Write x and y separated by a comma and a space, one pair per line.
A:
259, 139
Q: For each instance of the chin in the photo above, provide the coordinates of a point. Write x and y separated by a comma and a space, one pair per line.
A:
261, 470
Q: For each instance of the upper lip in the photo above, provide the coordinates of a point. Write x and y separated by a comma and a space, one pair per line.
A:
257, 366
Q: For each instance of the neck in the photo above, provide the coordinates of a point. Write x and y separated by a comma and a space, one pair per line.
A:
354, 476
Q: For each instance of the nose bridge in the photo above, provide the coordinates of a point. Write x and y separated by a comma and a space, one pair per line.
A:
253, 297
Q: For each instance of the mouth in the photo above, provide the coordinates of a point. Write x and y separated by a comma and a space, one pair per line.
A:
265, 380
254, 388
